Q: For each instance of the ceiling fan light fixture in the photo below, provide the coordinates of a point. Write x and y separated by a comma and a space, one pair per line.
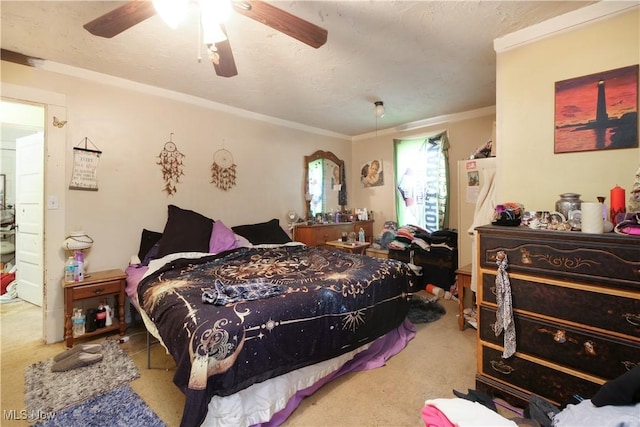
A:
378, 109
215, 11
172, 12
212, 34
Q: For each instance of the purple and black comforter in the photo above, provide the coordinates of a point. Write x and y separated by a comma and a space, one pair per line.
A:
320, 304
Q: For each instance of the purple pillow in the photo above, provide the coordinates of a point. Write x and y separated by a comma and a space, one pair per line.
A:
222, 238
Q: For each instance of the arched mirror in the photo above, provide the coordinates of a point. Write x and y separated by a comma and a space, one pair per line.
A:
325, 186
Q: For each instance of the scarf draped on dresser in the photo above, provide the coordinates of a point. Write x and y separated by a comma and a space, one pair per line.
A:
504, 314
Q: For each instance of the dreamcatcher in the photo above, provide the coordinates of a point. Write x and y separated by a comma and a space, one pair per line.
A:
223, 170
170, 160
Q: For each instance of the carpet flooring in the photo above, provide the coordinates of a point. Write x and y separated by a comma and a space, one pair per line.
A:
47, 391
121, 407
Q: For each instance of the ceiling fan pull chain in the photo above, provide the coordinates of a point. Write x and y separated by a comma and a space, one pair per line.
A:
200, 40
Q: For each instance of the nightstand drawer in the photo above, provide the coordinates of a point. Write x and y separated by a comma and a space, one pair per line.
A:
603, 310
595, 354
96, 290
534, 377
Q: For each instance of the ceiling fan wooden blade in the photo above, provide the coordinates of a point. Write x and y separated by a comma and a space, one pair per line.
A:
222, 58
121, 18
283, 21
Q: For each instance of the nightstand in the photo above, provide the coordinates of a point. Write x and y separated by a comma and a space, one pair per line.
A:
98, 284
463, 278
354, 248
377, 253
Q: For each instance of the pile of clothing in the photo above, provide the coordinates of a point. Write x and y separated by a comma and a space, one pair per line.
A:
414, 237
389, 232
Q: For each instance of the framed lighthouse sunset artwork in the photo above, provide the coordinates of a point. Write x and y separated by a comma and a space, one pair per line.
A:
597, 112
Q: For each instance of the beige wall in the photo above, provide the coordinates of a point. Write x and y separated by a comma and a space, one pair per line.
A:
131, 128
528, 170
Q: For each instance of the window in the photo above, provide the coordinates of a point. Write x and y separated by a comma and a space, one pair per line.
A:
422, 182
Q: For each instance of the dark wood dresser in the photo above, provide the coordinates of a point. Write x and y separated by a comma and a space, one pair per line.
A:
576, 305
320, 234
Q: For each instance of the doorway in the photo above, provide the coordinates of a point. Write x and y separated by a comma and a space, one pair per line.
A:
22, 147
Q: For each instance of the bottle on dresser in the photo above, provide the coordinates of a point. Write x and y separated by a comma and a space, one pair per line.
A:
78, 271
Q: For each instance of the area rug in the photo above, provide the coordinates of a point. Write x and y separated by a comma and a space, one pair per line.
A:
423, 310
119, 407
47, 391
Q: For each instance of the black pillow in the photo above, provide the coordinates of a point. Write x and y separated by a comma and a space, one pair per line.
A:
185, 231
147, 240
264, 232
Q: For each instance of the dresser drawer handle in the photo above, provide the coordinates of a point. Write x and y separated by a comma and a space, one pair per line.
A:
634, 319
559, 335
590, 348
98, 291
501, 367
493, 290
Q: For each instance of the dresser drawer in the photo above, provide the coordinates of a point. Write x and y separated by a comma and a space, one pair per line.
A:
595, 354
604, 311
534, 377
96, 290
609, 258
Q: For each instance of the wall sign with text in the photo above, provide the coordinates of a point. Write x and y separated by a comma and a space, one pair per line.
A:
85, 169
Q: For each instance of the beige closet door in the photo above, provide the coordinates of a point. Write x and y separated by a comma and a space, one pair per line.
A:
30, 218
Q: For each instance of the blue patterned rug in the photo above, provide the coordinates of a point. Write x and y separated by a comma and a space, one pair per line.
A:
120, 407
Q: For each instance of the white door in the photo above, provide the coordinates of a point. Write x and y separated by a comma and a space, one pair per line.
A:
30, 217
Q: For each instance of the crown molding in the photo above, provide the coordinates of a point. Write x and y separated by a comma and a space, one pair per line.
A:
588, 14
433, 121
106, 79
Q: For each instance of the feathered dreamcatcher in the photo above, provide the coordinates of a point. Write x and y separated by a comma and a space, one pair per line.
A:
170, 160
223, 170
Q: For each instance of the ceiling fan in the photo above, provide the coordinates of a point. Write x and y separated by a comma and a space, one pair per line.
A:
133, 12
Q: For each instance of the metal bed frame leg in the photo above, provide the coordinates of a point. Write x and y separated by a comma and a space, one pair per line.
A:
148, 350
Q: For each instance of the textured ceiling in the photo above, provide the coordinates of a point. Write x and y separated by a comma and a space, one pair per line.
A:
422, 58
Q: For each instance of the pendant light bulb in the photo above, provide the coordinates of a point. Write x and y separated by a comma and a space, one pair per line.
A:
378, 109
214, 13
172, 12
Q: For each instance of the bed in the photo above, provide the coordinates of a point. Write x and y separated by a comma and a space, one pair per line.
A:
257, 326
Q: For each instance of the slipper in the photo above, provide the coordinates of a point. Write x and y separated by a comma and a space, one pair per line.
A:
76, 360
86, 348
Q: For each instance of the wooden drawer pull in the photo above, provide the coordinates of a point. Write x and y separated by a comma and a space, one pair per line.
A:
590, 348
501, 367
634, 319
560, 336
98, 291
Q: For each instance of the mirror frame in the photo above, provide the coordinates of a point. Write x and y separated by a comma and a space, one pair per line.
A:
327, 155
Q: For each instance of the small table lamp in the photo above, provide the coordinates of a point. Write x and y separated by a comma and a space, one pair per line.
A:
78, 241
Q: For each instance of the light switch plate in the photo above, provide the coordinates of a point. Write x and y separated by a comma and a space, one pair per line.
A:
52, 202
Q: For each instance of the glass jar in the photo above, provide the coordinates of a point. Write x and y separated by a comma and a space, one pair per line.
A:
568, 202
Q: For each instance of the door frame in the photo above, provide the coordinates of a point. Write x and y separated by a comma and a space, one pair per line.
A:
54, 185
